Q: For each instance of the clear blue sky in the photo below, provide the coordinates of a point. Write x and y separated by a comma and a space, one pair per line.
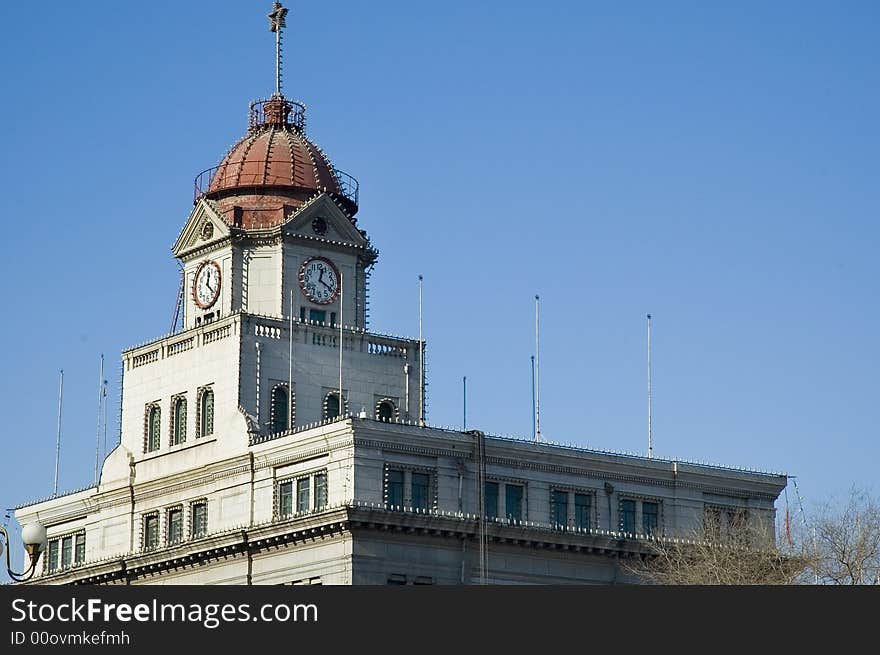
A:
715, 166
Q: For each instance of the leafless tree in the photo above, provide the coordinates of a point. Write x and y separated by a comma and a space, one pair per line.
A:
845, 541
742, 554
839, 544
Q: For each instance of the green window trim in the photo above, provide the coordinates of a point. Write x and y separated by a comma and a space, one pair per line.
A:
559, 508
199, 519
490, 499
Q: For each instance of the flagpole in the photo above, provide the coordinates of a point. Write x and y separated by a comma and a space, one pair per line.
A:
58, 440
650, 435
464, 401
290, 364
534, 426
341, 402
98, 422
421, 361
537, 371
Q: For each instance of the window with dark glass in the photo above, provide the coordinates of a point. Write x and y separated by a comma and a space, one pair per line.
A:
178, 434
331, 405
280, 409
175, 525
151, 532
394, 488
199, 519
559, 506
66, 552
320, 490
302, 314
302, 495
582, 506
154, 435
52, 562
513, 497
421, 483
650, 517
385, 411
628, 516
80, 555
490, 499
207, 412
285, 498
317, 315
332, 319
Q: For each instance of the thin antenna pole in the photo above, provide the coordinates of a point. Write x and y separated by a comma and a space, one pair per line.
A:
290, 365
464, 401
58, 441
341, 402
98, 426
421, 361
257, 381
534, 427
106, 403
650, 435
278, 62
537, 371
277, 24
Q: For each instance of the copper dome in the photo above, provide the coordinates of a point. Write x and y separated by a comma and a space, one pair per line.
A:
275, 163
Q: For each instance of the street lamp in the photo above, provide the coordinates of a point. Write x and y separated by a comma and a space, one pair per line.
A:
34, 537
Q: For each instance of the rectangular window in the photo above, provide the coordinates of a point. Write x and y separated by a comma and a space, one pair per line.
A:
302, 495
52, 562
320, 490
582, 506
513, 501
491, 500
559, 508
650, 517
175, 525
151, 532
66, 552
628, 516
285, 498
317, 315
333, 319
420, 489
80, 555
394, 488
302, 314
199, 519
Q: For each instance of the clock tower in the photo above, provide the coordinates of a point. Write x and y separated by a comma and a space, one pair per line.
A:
273, 230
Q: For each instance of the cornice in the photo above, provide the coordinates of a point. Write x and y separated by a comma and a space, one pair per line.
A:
205, 249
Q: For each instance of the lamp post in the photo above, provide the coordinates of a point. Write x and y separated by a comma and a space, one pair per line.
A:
34, 537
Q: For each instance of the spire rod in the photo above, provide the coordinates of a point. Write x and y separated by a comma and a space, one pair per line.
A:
650, 434
277, 24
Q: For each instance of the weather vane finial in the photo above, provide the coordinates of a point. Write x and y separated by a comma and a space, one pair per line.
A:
276, 24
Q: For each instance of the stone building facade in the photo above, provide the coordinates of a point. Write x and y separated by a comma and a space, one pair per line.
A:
275, 439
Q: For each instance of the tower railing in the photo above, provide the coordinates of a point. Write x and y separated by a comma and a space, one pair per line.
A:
236, 176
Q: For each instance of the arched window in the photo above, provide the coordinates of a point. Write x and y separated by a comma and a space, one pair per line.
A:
154, 420
331, 405
206, 413
385, 411
280, 409
178, 428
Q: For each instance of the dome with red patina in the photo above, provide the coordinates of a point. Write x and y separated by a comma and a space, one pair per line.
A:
274, 168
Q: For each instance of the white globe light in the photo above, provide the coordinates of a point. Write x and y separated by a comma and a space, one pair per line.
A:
34, 534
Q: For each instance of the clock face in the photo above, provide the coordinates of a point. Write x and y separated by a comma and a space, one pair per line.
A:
319, 280
206, 286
